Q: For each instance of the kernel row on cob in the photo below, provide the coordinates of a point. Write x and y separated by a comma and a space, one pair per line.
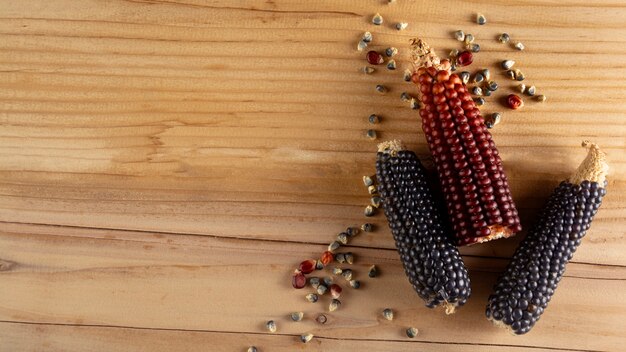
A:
472, 179
430, 259
523, 291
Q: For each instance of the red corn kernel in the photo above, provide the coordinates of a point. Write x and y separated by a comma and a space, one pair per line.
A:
438, 88
476, 217
452, 94
465, 58
483, 145
479, 224
463, 127
471, 196
490, 205
335, 291
495, 219
458, 157
469, 188
415, 78
431, 71
307, 266
374, 58
454, 101
457, 111
482, 174
442, 107
327, 257
429, 107
443, 76
467, 98
456, 149
439, 98
461, 119
465, 172
487, 197
473, 113
468, 105
444, 115
298, 280
472, 203
450, 137
514, 101
454, 78
425, 79
447, 124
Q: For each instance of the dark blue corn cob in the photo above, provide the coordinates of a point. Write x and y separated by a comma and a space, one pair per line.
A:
522, 293
431, 261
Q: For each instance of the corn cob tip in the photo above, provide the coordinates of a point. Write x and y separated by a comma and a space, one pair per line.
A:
594, 168
391, 147
424, 56
450, 308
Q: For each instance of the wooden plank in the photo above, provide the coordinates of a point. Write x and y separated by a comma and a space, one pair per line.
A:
63, 338
55, 275
239, 126
251, 124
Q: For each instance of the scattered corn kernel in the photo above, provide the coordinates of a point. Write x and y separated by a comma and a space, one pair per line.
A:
481, 19
377, 19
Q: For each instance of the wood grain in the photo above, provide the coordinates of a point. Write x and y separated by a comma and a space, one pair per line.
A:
151, 151
64, 338
106, 278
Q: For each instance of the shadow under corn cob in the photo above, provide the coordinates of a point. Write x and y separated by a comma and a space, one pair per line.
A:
524, 290
472, 179
431, 261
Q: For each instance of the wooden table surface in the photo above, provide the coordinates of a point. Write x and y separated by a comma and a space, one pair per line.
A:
164, 165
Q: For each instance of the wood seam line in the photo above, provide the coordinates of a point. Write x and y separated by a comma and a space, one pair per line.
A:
282, 334
272, 241
243, 239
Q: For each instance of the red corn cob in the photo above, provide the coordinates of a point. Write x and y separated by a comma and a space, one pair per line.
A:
470, 170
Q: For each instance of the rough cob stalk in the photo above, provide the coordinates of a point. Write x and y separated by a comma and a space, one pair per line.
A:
524, 290
476, 190
431, 261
